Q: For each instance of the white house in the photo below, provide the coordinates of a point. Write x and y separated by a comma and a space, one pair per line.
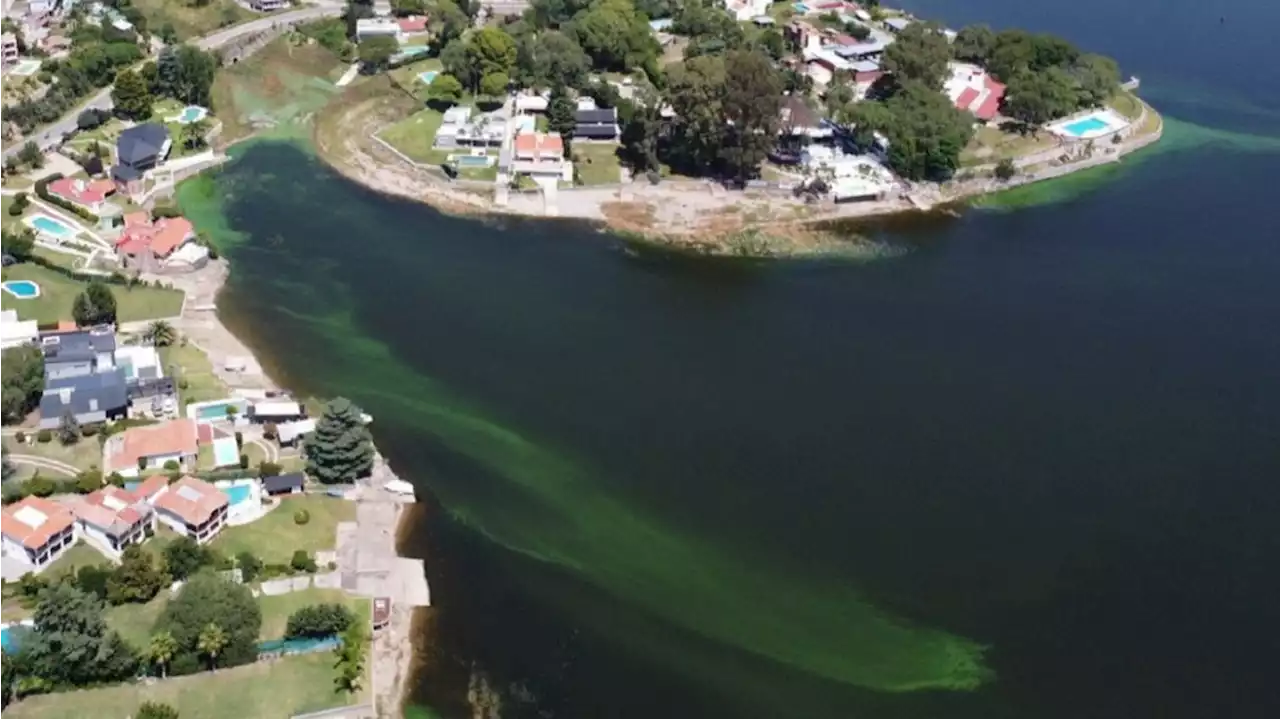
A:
745, 10
377, 27
289, 432
111, 519
14, 332
150, 447
539, 154
35, 532
192, 508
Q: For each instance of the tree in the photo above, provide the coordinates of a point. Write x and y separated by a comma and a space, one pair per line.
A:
640, 135
494, 84
408, 8
350, 654
7, 469
95, 306
751, 104
250, 566
211, 642
136, 580
974, 43
695, 90
1097, 78
340, 449
21, 380
71, 644
448, 22
131, 96
615, 35
551, 58
1036, 97
445, 89
90, 118
185, 73
68, 429
161, 650
93, 579
193, 134
376, 52
318, 620
184, 556
154, 710
925, 131
302, 562
168, 34
89, 480
1005, 169
919, 53
208, 599
30, 154
19, 244
490, 51
160, 333
561, 117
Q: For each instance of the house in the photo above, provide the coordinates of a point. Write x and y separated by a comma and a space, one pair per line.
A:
897, 24
90, 399
798, 119
192, 507
144, 241
289, 433
15, 332
538, 154
532, 103
78, 352
291, 483
276, 410
138, 149
596, 124
412, 25
745, 10
35, 532
112, 518
150, 447
971, 88
9, 48
88, 195
268, 5
377, 27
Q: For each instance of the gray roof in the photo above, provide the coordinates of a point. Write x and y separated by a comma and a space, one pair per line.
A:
77, 346
594, 117
124, 173
141, 143
101, 392
897, 23
283, 482
866, 66
596, 131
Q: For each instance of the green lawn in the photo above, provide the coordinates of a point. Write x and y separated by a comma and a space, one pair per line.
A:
1126, 104
414, 136
275, 537
80, 555
406, 76
136, 621
187, 362
991, 144
596, 163
263, 690
57, 292
83, 454
190, 20
61, 259
276, 610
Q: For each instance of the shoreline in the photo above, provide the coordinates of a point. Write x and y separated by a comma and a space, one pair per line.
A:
684, 214
201, 324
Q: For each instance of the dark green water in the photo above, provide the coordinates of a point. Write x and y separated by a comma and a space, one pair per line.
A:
1026, 468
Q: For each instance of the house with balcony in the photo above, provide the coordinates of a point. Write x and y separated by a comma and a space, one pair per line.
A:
148, 448
540, 155
193, 508
138, 149
34, 532
9, 48
112, 518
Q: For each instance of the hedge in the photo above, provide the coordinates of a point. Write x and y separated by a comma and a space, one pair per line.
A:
42, 189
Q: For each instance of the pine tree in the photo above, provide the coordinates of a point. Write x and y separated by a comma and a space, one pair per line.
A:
340, 450
131, 96
560, 117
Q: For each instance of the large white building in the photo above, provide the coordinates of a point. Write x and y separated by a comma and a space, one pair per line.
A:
111, 519
34, 532
14, 332
193, 508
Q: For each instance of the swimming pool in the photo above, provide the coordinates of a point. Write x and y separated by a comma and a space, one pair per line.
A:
6, 641
22, 289
1080, 128
215, 409
49, 226
226, 453
427, 77
1095, 124
238, 493
192, 113
472, 160
26, 67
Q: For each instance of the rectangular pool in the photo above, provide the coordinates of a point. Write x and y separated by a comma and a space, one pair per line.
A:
49, 226
238, 493
427, 77
1087, 126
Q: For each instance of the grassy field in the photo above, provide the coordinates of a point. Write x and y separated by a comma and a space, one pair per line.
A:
1126, 104
58, 291
80, 555
264, 690
61, 259
135, 621
406, 76
189, 20
275, 537
597, 163
83, 454
187, 362
414, 136
991, 144
276, 610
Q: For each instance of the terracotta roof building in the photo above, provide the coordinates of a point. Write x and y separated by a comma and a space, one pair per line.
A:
87, 194
192, 507
160, 238
36, 531
112, 518
149, 447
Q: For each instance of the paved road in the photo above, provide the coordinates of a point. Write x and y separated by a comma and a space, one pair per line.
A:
52, 135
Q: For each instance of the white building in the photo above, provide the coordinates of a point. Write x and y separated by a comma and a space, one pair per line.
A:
289, 432
111, 519
377, 27
139, 362
14, 332
34, 533
745, 10
192, 508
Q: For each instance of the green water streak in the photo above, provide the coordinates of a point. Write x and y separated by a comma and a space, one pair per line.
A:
554, 510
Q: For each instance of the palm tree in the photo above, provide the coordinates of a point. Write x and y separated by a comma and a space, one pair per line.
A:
193, 134
161, 333
163, 647
211, 642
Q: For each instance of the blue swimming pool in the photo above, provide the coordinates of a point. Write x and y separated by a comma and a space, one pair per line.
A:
22, 289
192, 113
50, 226
216, 410
1088, 125
239, 493
427, 77
472, 160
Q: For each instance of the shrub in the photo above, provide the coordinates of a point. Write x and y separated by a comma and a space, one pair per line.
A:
244, 461
209, 599
89, 430
239, 439
250, 566
1005, 169
268, 469
44, 436
154, 710
270, 430
301, 516
116, 479
318, 620
172, 464
20, 436
184, 556
302, 562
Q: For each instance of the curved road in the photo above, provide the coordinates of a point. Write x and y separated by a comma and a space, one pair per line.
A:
52, 134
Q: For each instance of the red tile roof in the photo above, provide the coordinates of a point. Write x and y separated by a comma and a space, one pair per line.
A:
81, 192
539, 143
162, 236
113, 509
174, 437
192, 500
33, 521
991, 105
966, 98
413, 24
150, 486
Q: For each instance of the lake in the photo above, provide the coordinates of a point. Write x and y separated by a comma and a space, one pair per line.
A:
1024, 467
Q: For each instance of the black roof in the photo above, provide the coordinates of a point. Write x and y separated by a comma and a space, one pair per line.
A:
596, 131
150, 386
77, 346
141, 143
99, 392
609, 115
124, 173
282, 482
